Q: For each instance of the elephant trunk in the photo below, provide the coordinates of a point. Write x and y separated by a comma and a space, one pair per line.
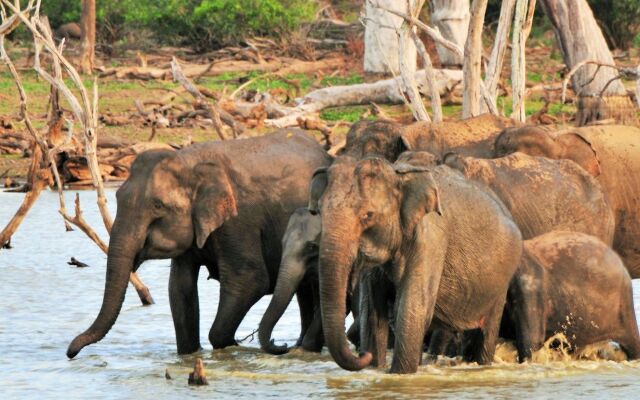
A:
336, 258
289, 278
120, 260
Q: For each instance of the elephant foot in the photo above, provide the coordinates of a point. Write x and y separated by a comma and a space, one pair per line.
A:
221, 343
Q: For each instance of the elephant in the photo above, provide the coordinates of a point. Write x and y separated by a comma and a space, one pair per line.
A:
388, 139
447, 245
575, 284
224, 205
611, 153
543, 195
298, 274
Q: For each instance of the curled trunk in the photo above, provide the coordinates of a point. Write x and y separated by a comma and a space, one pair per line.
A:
289, 279
336, 257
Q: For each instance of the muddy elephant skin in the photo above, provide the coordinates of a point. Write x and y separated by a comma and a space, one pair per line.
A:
574, 284
416, 224
611, 153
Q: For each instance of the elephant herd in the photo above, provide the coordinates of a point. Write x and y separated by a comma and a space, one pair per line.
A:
441, 236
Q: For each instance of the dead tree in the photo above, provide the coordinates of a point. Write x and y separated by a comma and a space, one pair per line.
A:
494, 69
381, 43
451, 18
88, 36
472, 67
521, 29
84, 111
599, 94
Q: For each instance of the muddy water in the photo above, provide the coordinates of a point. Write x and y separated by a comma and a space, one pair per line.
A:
44, 303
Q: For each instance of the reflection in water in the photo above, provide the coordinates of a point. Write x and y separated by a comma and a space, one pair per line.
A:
44, 303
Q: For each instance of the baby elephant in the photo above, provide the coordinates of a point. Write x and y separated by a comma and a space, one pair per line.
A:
574, 284
298, 274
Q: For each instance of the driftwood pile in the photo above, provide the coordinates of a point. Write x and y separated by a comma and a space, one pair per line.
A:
115, 156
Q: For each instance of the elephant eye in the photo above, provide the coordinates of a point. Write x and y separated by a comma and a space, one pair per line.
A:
157, 204
367, 217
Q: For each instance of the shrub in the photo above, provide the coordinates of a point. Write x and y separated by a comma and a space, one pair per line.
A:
619, 20
202, 24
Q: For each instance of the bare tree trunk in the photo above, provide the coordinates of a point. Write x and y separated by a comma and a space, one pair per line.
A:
521, 29
451, 17
381, 41
494, 69
471, 69
88, 36
407, 71
580, 39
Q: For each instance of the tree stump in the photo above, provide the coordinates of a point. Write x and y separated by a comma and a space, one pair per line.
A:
198, 376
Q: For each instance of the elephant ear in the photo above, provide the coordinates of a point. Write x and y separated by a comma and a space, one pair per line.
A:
215, 200
420, 196
579, 149
316, 189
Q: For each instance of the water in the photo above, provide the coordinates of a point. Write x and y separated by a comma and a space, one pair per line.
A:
44, 303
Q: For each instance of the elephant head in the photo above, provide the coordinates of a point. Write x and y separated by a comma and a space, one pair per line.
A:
171, 201
375, 138
368, 208
536, 141
300, 250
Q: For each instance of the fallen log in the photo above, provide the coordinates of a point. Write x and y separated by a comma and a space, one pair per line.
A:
384, 91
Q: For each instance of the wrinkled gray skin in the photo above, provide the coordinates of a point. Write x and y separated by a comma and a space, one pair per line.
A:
572, 283
610, 153
298, 274
418, 226
224, 205
543, 195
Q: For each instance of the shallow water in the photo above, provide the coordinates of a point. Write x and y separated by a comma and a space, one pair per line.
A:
44, 303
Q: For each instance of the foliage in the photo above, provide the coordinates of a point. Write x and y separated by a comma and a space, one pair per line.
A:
202, 24
619, 20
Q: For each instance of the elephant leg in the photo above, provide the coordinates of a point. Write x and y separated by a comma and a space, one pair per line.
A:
439, 343
374, 317
314, 337
305, 303
482, 342
185, 307
238, 293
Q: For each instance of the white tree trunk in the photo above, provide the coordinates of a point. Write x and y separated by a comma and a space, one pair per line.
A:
471, 69
494, 69
580, 38
451, 18
521, 28
381, 47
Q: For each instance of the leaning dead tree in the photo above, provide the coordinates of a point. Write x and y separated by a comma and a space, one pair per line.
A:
600, 95
85, 113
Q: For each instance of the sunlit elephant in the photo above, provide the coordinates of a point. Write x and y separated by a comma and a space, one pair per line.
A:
388, 139
574, 284
224, 205
447, 245
298, 275
543, 195
611, 154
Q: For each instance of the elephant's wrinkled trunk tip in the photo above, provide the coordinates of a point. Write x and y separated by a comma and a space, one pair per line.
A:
272, 348
352, 363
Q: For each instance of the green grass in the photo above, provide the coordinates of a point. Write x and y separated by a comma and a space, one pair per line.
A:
351, 113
